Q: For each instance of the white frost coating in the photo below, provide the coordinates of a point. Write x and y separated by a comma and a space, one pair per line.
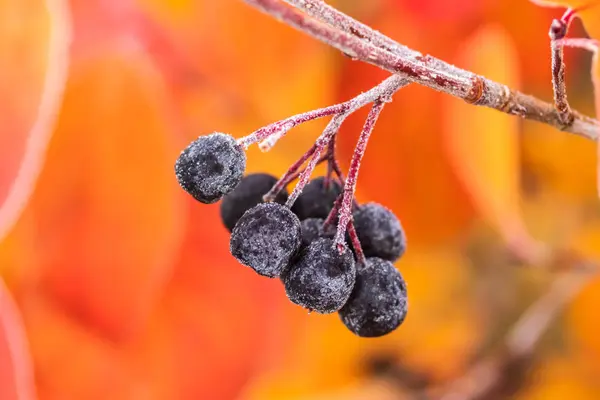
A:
342, 32
269, 142
270, 134
324, 12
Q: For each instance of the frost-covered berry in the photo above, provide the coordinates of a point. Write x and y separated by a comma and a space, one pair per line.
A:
312, 229
320, 279
315, 201
379, 232
378, 303
246, 195
210, 167
266, 238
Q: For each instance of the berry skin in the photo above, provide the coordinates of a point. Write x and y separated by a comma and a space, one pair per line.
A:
210, 167
315, 201
266, 238
246, 195
378, 304
312, 229
320, 279
379, 232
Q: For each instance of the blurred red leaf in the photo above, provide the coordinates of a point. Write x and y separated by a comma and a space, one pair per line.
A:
108, 204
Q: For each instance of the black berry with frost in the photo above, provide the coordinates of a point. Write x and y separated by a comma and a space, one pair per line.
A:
316, 201
210, 167
246, 195
312, 229
321, 279
266, 238
378, 304
379, 232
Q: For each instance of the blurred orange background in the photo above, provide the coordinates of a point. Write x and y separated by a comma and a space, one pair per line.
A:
119, 286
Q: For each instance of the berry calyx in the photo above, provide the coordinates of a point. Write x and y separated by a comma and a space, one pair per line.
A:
378, 303
248, 193
266, 238
316, 201
321, 279
379, 232
210, 167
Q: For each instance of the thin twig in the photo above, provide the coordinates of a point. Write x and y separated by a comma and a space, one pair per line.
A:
269, 134
322, 142
287, 177
360, 255
558, 31
428, 71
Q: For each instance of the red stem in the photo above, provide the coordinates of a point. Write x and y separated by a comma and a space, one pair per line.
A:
330, 156
321, 143
333, 213
360, 255
288, 123
345, 214
295, 176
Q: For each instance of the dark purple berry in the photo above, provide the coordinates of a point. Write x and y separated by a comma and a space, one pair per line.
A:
265, 238
320, 279
312, 229
210, 167
246, 195
378, 303
379, 232
315, 201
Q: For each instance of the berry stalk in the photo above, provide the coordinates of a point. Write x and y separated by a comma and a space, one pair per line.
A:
360, 255
289, 175
321, 143
280, 128
270, 134
345, 214
330, 158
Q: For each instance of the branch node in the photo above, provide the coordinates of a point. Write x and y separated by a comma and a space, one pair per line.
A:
476, 91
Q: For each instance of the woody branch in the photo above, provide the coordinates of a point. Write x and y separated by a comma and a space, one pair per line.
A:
317, 19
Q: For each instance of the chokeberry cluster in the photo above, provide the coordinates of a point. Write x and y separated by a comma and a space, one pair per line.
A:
296, 237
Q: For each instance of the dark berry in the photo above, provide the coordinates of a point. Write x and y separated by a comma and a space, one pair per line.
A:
265, 238
379, 232
320, 279
246, 195
315, 201
210, 167
378, 303
312, 229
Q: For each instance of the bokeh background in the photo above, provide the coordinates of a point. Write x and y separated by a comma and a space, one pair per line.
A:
117, 285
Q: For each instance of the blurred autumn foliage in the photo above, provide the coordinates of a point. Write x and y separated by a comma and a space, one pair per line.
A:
119, 286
